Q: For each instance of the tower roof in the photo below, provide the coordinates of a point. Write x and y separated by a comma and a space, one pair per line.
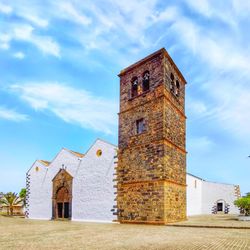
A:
147, 58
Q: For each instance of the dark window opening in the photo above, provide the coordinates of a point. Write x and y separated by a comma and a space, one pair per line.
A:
134, 90
219, 206
140, 126
172, 83
145, 81
177, 89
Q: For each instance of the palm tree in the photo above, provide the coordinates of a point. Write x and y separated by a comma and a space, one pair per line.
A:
22, 195
10, 200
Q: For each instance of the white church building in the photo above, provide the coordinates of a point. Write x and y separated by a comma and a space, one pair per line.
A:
82, 187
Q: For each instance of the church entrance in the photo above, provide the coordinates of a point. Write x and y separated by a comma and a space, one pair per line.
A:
219, 207
62, 203
62, 195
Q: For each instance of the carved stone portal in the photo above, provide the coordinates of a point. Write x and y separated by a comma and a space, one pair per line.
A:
62, 195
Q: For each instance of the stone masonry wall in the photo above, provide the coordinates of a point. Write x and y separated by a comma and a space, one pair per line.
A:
142, 202
151, 171
155, 67
175, 202
174, 126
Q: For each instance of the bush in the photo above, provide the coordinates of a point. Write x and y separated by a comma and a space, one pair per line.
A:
244, 204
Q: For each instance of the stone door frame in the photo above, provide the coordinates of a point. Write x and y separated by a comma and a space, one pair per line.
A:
62, 180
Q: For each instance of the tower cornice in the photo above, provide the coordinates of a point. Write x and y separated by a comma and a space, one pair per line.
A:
148, 58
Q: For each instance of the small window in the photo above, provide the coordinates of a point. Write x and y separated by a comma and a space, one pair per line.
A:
145, 81
172, 83
140, 126
195, 184
177, 89
134, 89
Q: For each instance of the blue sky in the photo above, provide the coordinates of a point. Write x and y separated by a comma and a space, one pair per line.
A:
59, 62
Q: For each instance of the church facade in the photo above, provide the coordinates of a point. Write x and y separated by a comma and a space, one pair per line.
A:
82, 187
73, 185
145, 181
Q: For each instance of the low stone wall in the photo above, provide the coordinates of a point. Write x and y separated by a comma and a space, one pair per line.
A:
244, 218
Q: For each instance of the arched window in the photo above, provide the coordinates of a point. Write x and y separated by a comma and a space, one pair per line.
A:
177, 88
172, 82
134, 88
145, 81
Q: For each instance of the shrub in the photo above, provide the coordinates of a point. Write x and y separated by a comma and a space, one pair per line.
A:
244, 204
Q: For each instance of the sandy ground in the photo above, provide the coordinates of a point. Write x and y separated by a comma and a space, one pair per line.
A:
19, 233
218, 220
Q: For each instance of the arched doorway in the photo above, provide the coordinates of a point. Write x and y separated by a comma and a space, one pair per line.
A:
62, 195
221, 206
62, 203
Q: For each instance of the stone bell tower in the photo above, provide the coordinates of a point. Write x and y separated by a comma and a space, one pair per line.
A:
151, 171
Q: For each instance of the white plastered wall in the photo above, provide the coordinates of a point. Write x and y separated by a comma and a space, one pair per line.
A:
93, 191
213, 192
39, 200
194, 195
93, 188
40, 196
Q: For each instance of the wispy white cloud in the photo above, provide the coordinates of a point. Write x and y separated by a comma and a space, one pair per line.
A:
202, 6
200, 145
34, 19
12, 115
26, 33
19, 55
225, 92
220, 10
4, 41
6, 9
68, 11
120, 21
241, 7
230, 106
220, 54
168, 14
197, 107
23, 32
4, 46
75, 106
128, 27
46, 44
29, 12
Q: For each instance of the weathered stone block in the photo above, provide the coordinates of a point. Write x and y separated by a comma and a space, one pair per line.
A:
151, 171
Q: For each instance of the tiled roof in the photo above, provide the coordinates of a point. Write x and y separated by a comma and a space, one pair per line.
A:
77, 154
46, 163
